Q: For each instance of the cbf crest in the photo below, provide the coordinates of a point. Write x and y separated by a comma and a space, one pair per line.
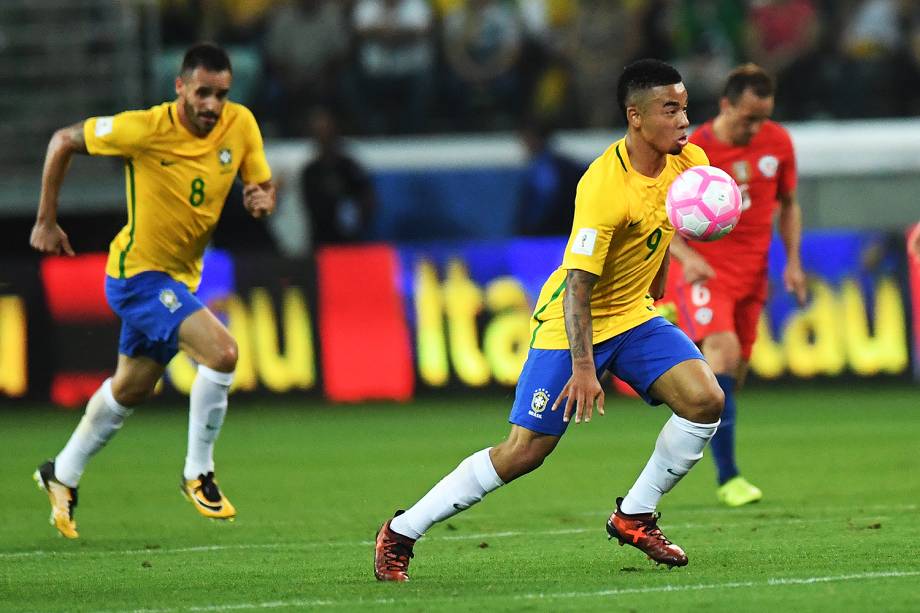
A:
225, 157
169, 300
538, 403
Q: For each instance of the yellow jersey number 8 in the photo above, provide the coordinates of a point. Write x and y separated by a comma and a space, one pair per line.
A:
197, 195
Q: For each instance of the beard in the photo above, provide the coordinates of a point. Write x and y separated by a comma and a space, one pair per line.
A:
196, 118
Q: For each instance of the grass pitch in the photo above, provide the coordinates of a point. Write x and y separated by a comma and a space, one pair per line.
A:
838, 528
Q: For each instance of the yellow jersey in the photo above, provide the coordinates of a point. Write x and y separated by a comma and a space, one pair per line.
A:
175, 184
621, 233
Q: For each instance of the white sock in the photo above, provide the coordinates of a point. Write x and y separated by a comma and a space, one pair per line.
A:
465, 486
679, 446
207, 408
101, 420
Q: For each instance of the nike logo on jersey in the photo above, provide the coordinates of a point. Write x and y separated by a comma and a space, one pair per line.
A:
634, 224
168, 162
676, 474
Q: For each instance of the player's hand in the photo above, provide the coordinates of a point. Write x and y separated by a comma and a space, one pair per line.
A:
696, 269
50, 238
257, 201
796, 282
581, 392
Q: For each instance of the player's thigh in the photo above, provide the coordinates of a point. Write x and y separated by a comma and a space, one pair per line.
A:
646, 352
542, 379
152, 306
207, 341
723, 351
135, 379
691, 390
544, 375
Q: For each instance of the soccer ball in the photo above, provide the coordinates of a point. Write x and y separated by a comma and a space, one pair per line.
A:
703, 203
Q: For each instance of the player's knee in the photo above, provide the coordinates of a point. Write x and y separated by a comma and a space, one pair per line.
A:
710, 404
130, 393
225, 357
703, 404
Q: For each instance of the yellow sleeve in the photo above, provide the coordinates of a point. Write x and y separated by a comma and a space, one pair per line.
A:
593, 225
123, 134
254, 167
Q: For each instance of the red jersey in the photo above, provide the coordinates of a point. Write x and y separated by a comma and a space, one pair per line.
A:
763, 169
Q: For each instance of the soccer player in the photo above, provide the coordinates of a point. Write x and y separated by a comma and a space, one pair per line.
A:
720, 287
595, 313
181, 159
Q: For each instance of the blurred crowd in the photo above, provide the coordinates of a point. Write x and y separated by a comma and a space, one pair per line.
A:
418, 66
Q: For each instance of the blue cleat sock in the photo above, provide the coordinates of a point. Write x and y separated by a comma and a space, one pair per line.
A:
723, 443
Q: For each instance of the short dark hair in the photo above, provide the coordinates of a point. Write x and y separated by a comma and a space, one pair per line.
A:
748, 76
205, 55
641, 75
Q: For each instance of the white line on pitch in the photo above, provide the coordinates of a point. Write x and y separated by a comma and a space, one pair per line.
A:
446, 537
779, 581
272, 604
773, 582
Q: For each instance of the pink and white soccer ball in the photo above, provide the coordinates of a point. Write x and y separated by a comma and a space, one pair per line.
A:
703, 203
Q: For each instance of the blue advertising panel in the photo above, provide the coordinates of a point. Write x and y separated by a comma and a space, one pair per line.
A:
856, 318
469, 305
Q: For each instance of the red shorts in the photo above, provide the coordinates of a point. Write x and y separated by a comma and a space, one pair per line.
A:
709, 307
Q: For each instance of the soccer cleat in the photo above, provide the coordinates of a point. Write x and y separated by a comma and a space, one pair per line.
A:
63, 500
737, 492
643, 533
207, 498
392, 553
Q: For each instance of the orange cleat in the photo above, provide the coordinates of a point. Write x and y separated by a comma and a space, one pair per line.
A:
392, 554
643, 533
207, 498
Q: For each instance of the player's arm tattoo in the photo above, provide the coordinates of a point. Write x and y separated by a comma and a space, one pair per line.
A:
576, 306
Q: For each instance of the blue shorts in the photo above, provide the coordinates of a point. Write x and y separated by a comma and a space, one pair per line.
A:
638, 356
151, 306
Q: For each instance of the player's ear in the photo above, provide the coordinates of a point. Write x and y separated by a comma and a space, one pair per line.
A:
180, 85
634, 117
724, 104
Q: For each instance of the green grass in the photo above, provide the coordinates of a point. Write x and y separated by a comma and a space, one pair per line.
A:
837, 530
